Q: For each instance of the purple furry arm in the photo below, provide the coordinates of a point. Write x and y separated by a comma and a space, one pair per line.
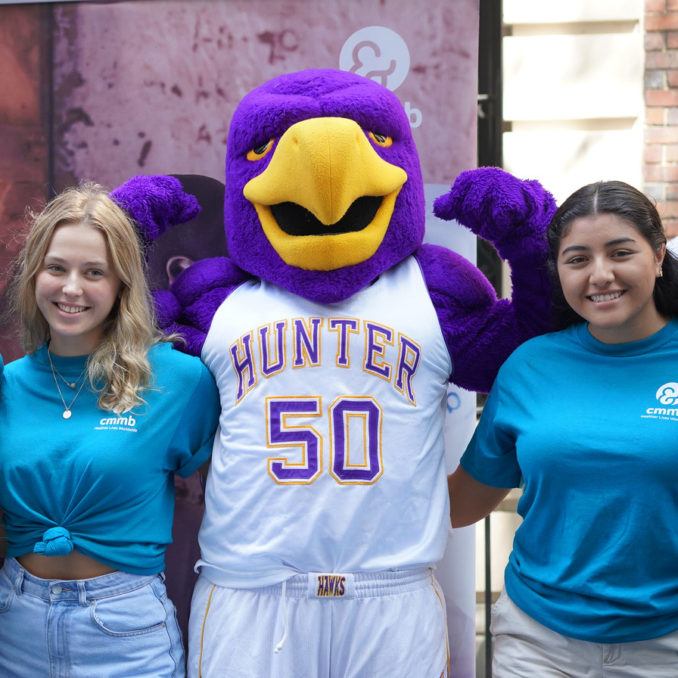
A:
155, 202
188, 308
510, 213
481, 331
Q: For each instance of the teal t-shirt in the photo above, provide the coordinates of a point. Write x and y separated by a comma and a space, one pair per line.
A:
591, 430
105, 478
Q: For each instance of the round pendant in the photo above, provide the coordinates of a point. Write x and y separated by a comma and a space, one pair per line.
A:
71, 385
66, 414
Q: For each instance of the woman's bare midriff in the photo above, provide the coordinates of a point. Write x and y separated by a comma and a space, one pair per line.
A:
73, 566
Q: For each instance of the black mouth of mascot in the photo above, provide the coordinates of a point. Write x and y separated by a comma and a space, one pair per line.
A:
297, 220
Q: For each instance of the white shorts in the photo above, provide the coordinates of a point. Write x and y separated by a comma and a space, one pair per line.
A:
321, 626
524, 648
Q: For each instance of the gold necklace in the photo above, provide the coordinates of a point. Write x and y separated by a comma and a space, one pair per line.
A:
70, 384
68, 412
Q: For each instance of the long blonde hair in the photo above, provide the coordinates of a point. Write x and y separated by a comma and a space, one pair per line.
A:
118, 368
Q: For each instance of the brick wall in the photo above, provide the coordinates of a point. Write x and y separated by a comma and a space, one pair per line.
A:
660, 164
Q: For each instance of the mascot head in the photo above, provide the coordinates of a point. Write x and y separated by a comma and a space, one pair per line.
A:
323, 184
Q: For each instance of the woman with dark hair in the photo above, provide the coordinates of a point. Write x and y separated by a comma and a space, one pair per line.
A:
629, 205
585, 419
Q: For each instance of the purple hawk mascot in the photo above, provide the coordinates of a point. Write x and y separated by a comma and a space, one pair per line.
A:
332, 332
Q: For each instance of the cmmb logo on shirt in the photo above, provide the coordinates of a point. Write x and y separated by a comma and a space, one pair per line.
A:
667, 394
667, 397
117, 423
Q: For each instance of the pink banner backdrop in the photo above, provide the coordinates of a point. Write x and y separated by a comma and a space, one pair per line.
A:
115, 89
147, 86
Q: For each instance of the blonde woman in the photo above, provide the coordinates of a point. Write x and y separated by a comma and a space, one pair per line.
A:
94, 422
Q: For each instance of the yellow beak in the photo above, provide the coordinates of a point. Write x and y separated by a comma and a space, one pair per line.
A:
324, 165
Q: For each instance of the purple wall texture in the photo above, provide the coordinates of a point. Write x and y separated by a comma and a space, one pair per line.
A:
24, 156
147, 86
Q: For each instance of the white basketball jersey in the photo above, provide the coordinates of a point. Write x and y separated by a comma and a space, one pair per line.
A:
329, 455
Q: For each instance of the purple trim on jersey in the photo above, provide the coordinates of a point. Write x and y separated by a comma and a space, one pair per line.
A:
266, 369
243, 346
342, 325
348, 406
375, 350
405, 369
311, 344
304, 437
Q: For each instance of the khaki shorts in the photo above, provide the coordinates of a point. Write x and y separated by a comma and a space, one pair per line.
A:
524, 648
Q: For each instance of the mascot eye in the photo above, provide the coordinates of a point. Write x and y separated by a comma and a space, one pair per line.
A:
260, 151
380, 139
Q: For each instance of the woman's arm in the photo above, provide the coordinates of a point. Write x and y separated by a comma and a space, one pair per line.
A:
470, 500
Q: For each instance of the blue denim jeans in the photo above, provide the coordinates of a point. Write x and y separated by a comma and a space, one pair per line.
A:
114, 626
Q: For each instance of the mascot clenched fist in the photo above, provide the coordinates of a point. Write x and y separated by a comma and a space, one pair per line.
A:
333, 332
